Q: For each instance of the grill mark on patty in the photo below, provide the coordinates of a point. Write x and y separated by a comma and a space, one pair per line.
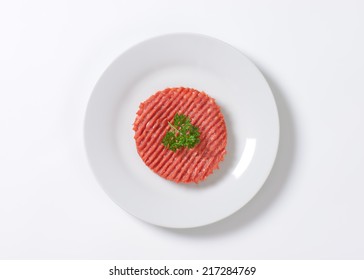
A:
167, 117
184, 165
186, 108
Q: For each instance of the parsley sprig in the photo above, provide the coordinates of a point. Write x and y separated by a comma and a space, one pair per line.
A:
181, 134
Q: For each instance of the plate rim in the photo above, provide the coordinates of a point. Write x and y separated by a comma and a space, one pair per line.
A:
192, 34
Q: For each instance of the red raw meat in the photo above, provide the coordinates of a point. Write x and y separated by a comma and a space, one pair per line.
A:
185, 165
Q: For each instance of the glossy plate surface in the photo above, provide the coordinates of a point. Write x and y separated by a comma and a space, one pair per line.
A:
187, 60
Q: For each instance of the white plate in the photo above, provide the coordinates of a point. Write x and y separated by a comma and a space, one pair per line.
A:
187, 60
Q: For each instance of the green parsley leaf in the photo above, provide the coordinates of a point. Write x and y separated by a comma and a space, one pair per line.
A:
181, 134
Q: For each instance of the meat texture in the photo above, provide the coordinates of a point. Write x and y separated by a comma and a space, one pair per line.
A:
185, 165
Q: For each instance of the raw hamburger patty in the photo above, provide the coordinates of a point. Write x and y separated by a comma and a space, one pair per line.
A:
184, 165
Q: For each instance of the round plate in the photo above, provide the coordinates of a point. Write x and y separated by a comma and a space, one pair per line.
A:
187, 60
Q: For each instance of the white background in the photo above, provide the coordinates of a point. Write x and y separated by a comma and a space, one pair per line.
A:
53, 52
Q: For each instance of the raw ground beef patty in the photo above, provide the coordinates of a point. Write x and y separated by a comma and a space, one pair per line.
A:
185, 165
